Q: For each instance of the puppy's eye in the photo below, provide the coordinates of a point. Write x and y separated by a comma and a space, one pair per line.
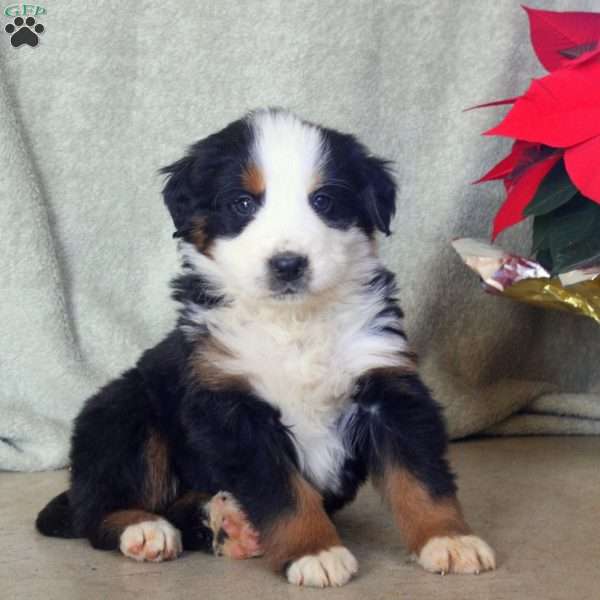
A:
321, 202
244, 206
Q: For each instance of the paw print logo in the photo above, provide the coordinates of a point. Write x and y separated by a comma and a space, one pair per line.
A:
24, 32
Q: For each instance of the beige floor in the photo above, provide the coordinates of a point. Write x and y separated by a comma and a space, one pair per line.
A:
537, 501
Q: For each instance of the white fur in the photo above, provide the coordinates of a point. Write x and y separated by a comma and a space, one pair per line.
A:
333, 567
304, 360
457, 554
289, 154
301, 355
153, 541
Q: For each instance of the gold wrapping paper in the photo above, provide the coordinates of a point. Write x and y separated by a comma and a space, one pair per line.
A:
525, 280
582, 298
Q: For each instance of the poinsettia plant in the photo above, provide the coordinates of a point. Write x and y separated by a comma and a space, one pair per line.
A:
553, 170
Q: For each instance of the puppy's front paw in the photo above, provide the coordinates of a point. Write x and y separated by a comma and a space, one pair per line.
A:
457, 554
233, 535
154, 541
333, 567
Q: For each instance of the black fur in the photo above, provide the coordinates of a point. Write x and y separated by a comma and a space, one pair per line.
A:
398, 423
211, 170
371, 203
56, 519
206, 183
233, 440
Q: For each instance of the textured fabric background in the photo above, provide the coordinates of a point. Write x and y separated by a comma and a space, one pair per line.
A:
115, 90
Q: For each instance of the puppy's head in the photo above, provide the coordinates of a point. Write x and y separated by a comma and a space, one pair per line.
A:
280, 208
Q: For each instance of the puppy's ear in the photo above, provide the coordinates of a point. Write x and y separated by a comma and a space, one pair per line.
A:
190, 187
379, 193
180, 193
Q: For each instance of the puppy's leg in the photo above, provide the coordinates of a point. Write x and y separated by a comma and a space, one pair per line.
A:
122, 476
255, 460
433, 527
305, 540
400, 431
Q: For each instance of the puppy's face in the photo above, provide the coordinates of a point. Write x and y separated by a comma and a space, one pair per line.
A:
282, 209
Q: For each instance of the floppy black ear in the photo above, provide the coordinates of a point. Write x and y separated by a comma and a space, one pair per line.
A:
179, 192
191, 184
379, 193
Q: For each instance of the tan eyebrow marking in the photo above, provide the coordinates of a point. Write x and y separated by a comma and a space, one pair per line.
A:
253, 180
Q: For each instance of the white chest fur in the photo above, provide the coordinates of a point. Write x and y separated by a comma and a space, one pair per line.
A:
305, 362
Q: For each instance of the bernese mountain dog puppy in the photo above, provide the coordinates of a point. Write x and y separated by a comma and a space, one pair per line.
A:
287, 382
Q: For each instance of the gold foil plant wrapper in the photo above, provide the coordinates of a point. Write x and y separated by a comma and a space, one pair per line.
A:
505, 274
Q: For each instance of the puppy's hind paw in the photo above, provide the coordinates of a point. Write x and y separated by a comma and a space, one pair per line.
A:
234, 536
457, 554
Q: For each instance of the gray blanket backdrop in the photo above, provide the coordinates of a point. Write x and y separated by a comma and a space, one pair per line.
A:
115, 90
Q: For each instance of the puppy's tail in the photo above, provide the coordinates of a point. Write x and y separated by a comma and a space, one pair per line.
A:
56, 519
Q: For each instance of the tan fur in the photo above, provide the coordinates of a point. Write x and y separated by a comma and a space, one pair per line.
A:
198, 236
205, 367
160, 487
306, 530
401, 371
419, 516
120, 519
253, 180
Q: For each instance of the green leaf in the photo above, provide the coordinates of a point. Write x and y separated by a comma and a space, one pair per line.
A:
541, 229
576, 256
555, 190
544, 224
579, 220
545, 258
574, 234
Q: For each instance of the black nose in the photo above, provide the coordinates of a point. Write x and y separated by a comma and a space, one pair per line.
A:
288, 266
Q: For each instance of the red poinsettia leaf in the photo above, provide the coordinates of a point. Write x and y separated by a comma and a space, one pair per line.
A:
559, 110
508, 164
493, 103
520, 193
554, 32
582, 165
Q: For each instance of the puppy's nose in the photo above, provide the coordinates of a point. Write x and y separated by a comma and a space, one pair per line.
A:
288, 266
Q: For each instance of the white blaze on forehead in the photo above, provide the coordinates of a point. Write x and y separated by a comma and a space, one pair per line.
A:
289, 152
288, 157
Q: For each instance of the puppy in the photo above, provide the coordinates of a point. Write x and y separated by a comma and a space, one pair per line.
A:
287, 382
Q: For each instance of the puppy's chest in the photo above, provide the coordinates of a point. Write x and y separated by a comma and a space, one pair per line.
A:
307, 368
301, 367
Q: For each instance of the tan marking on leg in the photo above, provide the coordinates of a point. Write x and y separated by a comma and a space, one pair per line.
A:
160, 486
419, 516
253, 180
108, 532
306, 530
206, 361
120, 519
